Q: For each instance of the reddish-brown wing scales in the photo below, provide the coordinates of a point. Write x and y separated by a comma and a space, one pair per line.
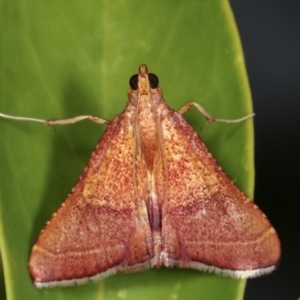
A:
102, 227
208, 223
152, 195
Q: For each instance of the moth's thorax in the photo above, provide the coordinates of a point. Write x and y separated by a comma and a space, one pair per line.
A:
147, 115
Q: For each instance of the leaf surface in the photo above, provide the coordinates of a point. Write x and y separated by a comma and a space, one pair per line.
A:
62, 59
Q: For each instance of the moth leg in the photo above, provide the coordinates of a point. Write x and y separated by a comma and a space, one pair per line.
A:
58, 121
77, 119
5, 116
208, 117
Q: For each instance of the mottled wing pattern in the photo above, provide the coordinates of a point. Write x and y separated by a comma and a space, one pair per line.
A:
152, 195
207, 222
87, 236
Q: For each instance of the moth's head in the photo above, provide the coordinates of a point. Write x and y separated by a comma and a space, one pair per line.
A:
144, 81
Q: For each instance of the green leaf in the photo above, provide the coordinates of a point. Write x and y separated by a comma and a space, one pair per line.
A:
65, 58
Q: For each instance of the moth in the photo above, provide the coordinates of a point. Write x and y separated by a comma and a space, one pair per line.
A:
152, 195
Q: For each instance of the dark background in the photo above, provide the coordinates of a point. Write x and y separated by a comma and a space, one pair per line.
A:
270, 34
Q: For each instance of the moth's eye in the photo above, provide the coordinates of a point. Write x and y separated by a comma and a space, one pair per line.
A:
133, 81
153, 79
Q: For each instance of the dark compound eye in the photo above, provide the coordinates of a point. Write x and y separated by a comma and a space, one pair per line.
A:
133, 81
153, 79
